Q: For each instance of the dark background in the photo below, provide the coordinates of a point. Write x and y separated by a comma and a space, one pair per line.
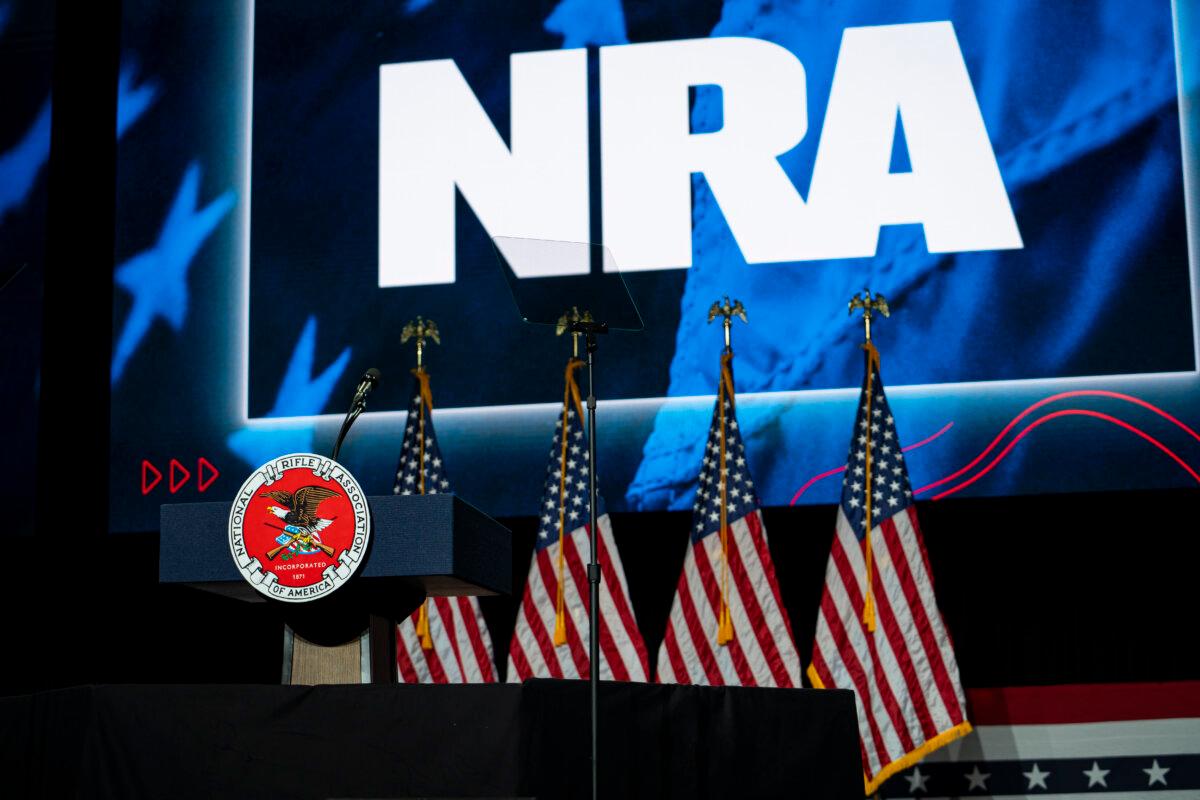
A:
1036, 590
27, 52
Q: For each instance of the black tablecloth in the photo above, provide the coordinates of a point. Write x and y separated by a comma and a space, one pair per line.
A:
439, 741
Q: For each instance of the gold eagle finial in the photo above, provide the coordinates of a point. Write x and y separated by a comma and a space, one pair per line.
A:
870, 304
420, 329
728, 311
564, 324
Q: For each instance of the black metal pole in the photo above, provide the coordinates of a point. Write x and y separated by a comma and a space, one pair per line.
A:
80, 192
593, 571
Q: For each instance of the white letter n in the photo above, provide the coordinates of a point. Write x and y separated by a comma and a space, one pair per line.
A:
434, 135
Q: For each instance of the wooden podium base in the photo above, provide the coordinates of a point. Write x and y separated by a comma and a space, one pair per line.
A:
367, 658
309, 664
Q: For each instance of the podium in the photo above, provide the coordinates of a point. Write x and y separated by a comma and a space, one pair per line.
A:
422, 546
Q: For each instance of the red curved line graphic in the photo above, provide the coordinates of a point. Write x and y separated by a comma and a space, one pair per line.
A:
928, 439
1061, 395
813, 480
1068, 412
836, 470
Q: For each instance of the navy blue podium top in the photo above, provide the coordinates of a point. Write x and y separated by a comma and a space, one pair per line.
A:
439, 541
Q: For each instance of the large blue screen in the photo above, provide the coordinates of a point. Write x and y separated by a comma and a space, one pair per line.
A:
296, 182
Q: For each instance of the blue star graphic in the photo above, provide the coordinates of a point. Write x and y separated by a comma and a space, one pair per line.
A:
416, 6
157, 277
585, 22
19, 167
133, 101
5, 12
299, 395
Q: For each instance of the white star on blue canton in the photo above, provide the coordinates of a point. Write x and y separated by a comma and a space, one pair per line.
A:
566, 485
732, 477
414, 468
875, 449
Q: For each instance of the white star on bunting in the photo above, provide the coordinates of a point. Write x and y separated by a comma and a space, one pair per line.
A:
917, 781
977, 779
1036, 777
1096, 776
1157, 774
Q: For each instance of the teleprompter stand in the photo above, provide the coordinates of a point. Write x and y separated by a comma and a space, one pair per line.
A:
574, 287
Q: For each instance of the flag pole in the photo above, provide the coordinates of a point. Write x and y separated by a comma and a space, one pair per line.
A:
725, 395
570, 392
583, 324
420, 329
869, 306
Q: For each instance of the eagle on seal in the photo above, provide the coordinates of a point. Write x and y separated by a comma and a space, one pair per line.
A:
300, 508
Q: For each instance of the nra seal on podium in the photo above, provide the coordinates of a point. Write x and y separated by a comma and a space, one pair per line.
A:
299, 527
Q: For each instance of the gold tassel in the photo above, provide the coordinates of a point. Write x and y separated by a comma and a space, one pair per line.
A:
426, 408
725, 627
423, 628
725, 623
868, 616
570, 393
560, 622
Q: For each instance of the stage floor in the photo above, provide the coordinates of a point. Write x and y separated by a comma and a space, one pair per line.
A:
428, 741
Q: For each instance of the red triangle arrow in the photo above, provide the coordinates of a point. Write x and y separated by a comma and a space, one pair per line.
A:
147, 469
202, 483
175, 485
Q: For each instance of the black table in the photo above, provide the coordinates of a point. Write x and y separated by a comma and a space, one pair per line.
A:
439, 741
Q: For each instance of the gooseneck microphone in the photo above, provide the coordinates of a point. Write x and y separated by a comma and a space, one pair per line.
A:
369, 379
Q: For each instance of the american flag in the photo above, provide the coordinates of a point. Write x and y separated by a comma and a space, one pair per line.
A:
446, 640
888, 644
728, 574
534, 651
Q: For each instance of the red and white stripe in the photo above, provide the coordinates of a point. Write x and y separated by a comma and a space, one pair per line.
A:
532, 653
462, 646
1050, 724
910, 699
763, 652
